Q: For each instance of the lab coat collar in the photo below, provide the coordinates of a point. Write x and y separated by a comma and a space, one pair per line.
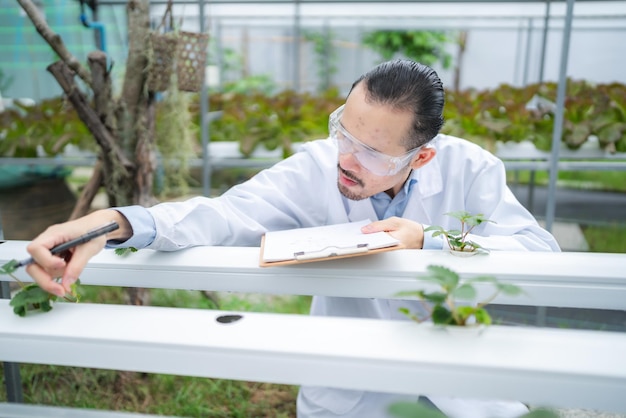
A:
429, 184
429, 180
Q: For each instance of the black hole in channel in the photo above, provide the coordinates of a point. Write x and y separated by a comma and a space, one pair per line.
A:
227, 319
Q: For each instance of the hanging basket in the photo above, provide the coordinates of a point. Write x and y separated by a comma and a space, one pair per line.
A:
191, 60
164, 48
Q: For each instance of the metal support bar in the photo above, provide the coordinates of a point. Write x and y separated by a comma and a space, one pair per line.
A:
296, 46
544, 41
12, 376
558, 120
204, 126
529, 38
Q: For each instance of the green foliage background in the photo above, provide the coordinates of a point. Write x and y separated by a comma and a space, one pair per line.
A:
427, 47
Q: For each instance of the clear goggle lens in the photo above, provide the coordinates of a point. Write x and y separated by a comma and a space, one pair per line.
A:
374, 161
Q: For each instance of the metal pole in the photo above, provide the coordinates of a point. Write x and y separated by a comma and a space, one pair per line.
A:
518, 54
296, 46
531, 180
204, 126
219, 53
544, 41
558, 117
12, 378
327, 81
529, 36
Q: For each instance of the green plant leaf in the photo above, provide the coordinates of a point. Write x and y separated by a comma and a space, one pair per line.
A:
482, 316
540, 413
438, 233
29, 294
448, 278
405, 311
442, 316
464, 312
509, 289
476, 220
74, 291
482, 279
456, 243
465, 291
434, 297
125, 251
473, 244
9, 267
31, 297
410, 293
414, 410
454, 232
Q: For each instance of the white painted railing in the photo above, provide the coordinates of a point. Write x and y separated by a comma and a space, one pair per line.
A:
551, 367
567, 279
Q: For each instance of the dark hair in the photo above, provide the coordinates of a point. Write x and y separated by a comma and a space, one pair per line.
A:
408, 85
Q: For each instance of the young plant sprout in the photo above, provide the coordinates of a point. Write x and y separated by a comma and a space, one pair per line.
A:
31, 297
442, 304
457, 238
415, 410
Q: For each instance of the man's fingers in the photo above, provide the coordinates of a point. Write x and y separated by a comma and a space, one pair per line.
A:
408, 232
79, 259
385, 225
45, 280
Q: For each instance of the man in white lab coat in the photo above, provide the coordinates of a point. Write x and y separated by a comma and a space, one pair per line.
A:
384, 160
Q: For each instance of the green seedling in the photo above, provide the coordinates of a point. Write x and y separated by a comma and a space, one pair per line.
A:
415, 410
31, 297
123, 252
457, 238
443, 305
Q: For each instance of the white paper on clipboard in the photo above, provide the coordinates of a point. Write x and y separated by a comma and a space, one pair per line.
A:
323, 242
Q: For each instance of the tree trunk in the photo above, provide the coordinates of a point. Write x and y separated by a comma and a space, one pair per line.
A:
462, 41
136, 119
124, 129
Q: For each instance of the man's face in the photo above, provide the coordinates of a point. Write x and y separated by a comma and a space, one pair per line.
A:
378, 127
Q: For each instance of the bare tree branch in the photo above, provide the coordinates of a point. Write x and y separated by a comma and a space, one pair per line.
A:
107, 142
89, 192
54, 40
137, 61
102, 89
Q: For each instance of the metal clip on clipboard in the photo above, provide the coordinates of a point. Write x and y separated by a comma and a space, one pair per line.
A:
330, 251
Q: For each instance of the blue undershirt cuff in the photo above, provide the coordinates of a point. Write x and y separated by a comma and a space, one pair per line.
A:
142, 223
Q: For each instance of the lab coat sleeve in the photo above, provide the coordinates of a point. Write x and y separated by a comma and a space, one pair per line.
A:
291, 194
513, 228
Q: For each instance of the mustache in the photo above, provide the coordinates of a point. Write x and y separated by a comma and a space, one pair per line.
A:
350, 175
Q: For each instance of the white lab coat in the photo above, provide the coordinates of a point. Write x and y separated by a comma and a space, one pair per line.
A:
301, 191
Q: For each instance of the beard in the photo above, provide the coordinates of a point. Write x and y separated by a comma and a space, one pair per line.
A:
345, 191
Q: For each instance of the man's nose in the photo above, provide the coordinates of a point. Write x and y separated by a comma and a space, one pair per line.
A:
348, 161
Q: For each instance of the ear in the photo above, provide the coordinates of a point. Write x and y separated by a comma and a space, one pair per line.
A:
423, 157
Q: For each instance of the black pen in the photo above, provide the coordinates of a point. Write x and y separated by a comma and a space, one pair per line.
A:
111, 226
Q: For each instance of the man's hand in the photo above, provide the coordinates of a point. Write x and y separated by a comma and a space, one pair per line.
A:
47, 267
410, 233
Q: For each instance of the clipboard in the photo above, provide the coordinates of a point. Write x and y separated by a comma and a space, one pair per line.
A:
305, 245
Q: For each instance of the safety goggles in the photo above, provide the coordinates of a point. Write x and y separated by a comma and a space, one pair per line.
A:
374, 161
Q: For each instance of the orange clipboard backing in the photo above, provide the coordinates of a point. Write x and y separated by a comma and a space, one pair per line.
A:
312, 260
